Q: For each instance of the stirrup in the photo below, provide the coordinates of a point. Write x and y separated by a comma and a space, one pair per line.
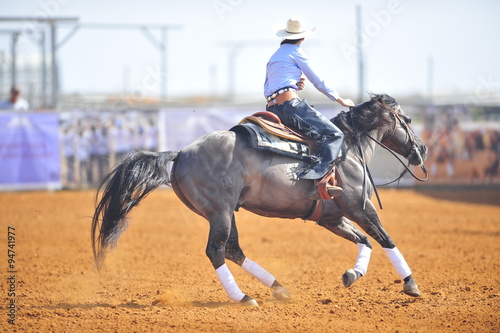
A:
334, 191
327, 186
331, 190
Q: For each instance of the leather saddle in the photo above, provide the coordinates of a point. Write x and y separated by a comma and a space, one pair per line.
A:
271, 123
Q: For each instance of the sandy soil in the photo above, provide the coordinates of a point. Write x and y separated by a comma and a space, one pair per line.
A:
450, 239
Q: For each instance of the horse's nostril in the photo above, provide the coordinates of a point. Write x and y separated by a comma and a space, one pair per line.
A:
424, 153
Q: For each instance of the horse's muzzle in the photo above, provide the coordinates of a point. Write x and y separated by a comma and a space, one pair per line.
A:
418, 155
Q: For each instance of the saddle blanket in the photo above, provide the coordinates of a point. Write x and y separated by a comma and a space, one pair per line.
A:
263, 140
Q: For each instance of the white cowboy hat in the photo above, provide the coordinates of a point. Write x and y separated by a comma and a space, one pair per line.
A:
294, 29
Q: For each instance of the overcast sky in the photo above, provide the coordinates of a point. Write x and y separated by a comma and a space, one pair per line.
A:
462, 38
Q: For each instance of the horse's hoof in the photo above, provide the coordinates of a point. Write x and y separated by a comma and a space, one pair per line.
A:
281, 294
411, 288
248, 301
349, 277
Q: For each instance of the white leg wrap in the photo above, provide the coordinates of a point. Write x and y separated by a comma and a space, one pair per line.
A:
229, 284
258, 272
364, 255
399, 262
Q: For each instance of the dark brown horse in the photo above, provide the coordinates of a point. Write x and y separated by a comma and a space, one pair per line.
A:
219, 173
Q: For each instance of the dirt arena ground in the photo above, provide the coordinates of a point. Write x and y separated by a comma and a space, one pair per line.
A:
450, 238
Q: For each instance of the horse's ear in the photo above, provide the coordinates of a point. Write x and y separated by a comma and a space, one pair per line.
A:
388, 100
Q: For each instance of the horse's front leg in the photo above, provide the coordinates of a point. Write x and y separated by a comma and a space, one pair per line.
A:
369, 221
345, 229
410, 287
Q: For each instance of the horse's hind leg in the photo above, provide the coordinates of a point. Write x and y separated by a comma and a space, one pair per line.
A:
345, 229
220, 230
235, 254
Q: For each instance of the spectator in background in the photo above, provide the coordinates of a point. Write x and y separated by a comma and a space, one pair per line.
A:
68, 146
99, 153
94, 137
83, 157
14, 102
103, 153
122, 140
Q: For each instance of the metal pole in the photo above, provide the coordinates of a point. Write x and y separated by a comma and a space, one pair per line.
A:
44, 69
233, 54
126, 80
430, 78
15, 36
163, 65
161, 45
2, 59
53, 41
52, 21
213, 83
361, 82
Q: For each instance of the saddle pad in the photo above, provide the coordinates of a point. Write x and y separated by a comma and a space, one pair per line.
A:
263, 140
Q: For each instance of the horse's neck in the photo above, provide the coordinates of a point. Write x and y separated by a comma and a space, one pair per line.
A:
367, 148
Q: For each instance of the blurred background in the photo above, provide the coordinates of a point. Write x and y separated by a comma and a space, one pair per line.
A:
95, 80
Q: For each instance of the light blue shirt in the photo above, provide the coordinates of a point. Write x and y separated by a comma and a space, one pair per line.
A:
285, 69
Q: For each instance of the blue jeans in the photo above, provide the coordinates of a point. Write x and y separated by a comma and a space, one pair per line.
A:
328, 138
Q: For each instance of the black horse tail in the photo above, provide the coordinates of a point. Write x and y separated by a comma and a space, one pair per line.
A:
122, 189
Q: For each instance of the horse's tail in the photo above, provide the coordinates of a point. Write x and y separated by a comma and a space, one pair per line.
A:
122, 189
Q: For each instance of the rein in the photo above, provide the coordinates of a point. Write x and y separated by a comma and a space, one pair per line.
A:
407, 169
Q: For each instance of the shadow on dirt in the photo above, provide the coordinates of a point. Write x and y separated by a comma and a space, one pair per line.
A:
480, 194
68, 306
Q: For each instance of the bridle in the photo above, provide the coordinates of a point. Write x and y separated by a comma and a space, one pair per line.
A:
410, 136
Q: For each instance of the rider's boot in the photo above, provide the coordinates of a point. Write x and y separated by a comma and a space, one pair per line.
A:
326, 152
332, 190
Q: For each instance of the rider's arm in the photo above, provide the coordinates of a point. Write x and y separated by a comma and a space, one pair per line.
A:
305, 65
345, 102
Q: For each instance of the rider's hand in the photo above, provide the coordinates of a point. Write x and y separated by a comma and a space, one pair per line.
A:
301, 84
345, 102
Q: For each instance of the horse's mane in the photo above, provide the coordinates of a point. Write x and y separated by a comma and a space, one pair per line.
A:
364, 118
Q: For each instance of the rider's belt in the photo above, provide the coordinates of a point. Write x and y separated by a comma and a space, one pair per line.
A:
283, 97
278, 92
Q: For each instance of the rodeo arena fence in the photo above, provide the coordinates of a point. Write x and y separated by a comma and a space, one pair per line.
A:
76, 149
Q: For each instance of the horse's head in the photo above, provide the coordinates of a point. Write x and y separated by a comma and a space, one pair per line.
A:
382, 117
400, 138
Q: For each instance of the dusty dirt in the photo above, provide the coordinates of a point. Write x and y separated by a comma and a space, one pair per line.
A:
450, 239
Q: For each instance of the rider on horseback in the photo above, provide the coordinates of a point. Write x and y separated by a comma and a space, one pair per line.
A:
283, 79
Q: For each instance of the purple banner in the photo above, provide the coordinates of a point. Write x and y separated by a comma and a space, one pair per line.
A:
29, 151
